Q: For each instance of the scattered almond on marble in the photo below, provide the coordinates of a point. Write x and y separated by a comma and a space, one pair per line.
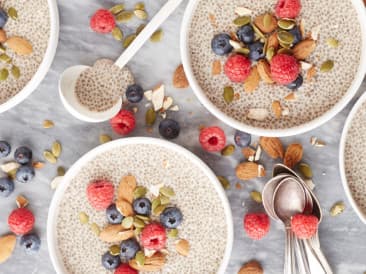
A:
21, 201
180, 78
249, 153
293, 155
252, 267
48, 124
249, 170
272, 146
7, 245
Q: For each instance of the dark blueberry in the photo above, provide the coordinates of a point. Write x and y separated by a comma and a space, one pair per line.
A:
23, 155
25, 174
142, 206
109, 261
297, 83
221, 44
6, 187
30, 243
171, 217
256, 51
129, 249
242, 139
169, 129
134, 93
3, 18
297, 35
246, 34
113, 215
5, 149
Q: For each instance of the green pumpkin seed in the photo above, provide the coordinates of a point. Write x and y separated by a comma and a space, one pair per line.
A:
285, 37
164, 200
150, 117
141, 14
114, 250
117, 9
228, 150
139, 192
270, 53
84, 218
146, 219
48, 124
61, 171
337, 209
286, 24
2, 49
49, 157
4, 73
243, 51
306, 171
138, 223
155, 203
128, 40
5, 58
15, 71
157, 36
256, 196
140, 6
124, 16
138, 231
224, 182
159, 209
267, 20
332, 42
167, 191
13, 14
140, 28
242, 21
327, 66
117, 34
140, 258
56, 149
127, 222
173, 233
95, 228
103, 138
228, 94
258, 32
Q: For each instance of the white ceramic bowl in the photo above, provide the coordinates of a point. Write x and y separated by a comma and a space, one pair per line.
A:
359, 6
45, 64
75, 169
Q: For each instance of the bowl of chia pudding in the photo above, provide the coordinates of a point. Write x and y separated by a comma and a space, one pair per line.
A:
274, 68
28, 42
77, 232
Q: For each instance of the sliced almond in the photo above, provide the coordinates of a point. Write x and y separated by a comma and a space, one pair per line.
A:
272, 41
216, 68
258, 114
3, 36
252, 82
157, 97
304, 49
277, 109
249, 153
180, 78
126, 188
315, 32
153, 263
115, 233
272, 146
249, 170
311, 73
182, 246
290, 97
168, 102
266, 22
252, 267
293, 155
242, 11
19, 45
7, 245
21, 201
305, 66
264, 71
213, 21
124, 207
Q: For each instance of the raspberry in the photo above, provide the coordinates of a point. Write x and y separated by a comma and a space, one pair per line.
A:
237, 68
21, 221
153, 236
304, 226
102, 21
100, 194
284, 69
212, 139
124, 122
125, 269
288, 8
256, 225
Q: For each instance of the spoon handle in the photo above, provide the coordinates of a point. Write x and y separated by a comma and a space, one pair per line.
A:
289, 267
146, 33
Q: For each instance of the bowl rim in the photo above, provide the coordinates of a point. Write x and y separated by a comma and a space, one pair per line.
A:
44, 66
342, 146
352, 90
72, 172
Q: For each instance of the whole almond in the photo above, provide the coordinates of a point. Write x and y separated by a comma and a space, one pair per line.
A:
272, 41
115, 233
154, 263
19, 45
252, 82
126, 188
7, 245
270, 25
264, 71
304, 49
249, 170
293, 155
272, 146
252, 267
277, 109
124, 207
180, 78
3, 36
182, 246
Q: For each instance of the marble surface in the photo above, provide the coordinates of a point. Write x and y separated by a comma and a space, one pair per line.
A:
343, 238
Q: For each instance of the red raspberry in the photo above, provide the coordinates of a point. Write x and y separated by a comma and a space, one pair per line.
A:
288, 8
212, 139
237, 68
125, 269
256, 225
153, 236
102, 21
124, 122
284, 69
304, 226
21, 221
100, 194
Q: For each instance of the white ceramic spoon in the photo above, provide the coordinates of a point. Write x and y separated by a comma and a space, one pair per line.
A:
70, 76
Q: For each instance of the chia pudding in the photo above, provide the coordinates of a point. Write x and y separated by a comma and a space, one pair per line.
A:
336, 19
204, 219
33, 24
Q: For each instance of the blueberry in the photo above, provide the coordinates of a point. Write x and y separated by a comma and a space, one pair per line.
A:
25, 174
142, 206
242, 139
256, 51
129, 249
297, 35
134, 93
30, 243
169, 129
4, 149
221, 44
23, 155
246, 34
113, 215
171, 217
109, 261
3, 18
6, 187
297, 83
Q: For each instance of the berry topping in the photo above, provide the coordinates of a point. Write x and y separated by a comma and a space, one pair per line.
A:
129, 249
109, 261
30, 243
153, 236
304, 226
23, 155
284, 69
25, 174
212, 139
297, 83
242, 139
142, 206
100, 194
4, 149
171, 217
6, 187
237, 68
21, 221
102, 21
134, 93
125, 269
124, 122
221, 44
256, 225
113, 215
246, 34
3, 18
288, 8
169, 129
256, 51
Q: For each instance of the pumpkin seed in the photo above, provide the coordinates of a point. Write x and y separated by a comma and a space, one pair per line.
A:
4, 73
127, 222
327, 66
337, 209
155, 203
141, 14
243, 51
173, 233
228, 94
146, 219
267, 20
61, 171
138, 231
140, 258
56, 149
140, 6
84, 218
256, 196
158, 210
140, 28
103, 138
150, 117
114, 250
95, 228
224, 182
138, 223
285, 37
157, 36
306, 171
128, 40
5, 58
13, 14
228, 150
117, 34
164, 200
2, 48
242, 21
270, 53
167, 191
124, 16
49, 157
117, 9
332, 42
48, 124
139, 192
258, 32
286, 24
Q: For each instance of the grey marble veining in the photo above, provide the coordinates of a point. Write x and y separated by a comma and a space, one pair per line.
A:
343, 238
